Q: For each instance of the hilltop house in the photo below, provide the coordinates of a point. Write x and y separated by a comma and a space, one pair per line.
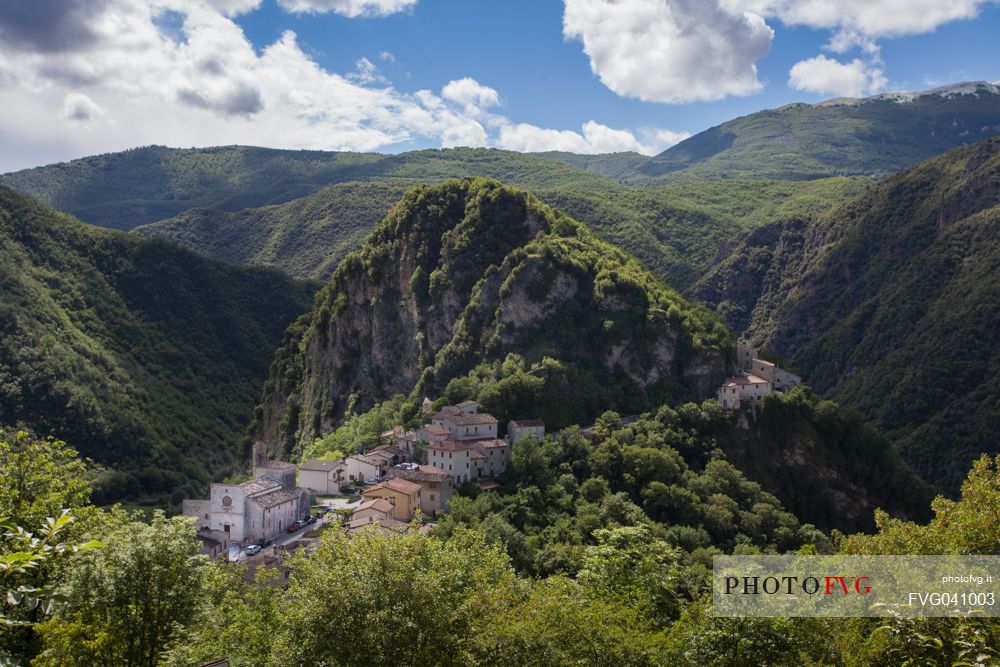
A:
756, 379
436, 485
259, 509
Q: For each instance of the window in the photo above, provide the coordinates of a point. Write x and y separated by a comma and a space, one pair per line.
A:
432, 497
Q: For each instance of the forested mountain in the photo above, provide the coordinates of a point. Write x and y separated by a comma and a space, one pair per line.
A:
306, 237
890, 303
147, 356
143, 185
675, 230
473, 290
875, 136
469, 271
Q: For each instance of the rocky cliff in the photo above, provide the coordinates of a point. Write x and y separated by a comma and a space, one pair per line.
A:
470, 271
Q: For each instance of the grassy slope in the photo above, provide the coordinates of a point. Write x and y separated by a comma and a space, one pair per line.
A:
145, 356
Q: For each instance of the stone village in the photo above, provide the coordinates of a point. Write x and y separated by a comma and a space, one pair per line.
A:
411, 474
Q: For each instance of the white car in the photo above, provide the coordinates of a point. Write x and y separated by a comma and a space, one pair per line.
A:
253, 549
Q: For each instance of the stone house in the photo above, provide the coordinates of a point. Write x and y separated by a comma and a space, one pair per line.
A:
741, 388
372, 508
404, 496
388, 456
471, 459
520, 427
259, 509
465, 422
361, 468
436, 487
322, 477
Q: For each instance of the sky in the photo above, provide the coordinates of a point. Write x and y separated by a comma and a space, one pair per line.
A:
82, 77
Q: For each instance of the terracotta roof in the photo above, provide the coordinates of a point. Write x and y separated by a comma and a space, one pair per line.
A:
762, 362
260, 485
321, 466
377, 504
275, 498
492, 443
737, 380
476, 454
527, 423
470, 420
364, 459
467, 404
487, 484
386, 522
420, 474
451, 446
434, 429
388, 449
395, 484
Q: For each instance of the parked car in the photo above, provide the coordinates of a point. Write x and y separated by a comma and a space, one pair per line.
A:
295, 526
309, 520
253, 549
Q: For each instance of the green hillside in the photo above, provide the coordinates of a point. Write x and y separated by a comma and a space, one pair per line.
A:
674, 230
143, 185
147, 356
876, 136
610, 165
470, 271
306, 237
889, 303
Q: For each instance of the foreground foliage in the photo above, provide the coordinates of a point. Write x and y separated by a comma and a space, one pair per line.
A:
145, 598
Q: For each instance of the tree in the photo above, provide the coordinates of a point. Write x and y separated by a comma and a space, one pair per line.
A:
24, 593
378, 599
125, 602
630, 566
39, 478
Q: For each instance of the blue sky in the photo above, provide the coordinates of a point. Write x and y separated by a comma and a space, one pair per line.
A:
517, 48
88, 76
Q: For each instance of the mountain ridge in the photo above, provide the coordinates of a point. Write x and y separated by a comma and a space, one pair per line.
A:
888, 304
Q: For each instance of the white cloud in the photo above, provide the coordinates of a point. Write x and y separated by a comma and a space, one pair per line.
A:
873, 18
669, 50
826, 75
131, 78
351, 8
387, 56
365, 71
470, 93
594, 138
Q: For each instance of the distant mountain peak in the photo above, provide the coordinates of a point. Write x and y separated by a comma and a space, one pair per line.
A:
952, 90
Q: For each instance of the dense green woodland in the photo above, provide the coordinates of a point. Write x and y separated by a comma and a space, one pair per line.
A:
147, 356
889, 303
127, 590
